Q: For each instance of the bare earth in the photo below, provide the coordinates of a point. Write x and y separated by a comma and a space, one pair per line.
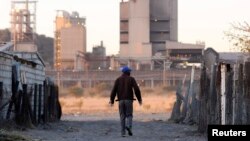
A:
94, 120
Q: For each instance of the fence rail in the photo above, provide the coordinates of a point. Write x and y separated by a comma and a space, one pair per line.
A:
146, 78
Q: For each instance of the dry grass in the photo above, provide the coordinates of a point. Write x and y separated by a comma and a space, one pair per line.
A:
154, 101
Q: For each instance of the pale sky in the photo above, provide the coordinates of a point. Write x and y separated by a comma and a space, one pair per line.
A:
203, 20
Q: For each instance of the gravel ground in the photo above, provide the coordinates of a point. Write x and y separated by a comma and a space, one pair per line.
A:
106, 127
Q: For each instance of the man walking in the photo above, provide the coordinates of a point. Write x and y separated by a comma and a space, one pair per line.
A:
125, 86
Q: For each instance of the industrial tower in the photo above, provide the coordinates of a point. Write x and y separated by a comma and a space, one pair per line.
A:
145, 26
23, 25
70, 40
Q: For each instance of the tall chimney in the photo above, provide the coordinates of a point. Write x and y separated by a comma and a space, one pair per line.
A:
27, 5
101, 43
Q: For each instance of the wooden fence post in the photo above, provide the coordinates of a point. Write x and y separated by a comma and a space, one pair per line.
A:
229, 94
45, 102
13, 97
50, 107
239, 98
39, 103
202, 112
223, 96
18, 106
194, 103
1, 91
53, 103
1, 96
247, 91
235, 79
218, 95
23, 118
35, 105
26, 116
212, 97
58, 105
190, 100
176, 112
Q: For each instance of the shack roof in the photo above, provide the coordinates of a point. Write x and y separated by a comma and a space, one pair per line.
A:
225, 57
35, 57
231, 57
6, 46
30, 56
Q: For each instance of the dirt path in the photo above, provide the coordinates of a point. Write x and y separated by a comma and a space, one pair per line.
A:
106, 127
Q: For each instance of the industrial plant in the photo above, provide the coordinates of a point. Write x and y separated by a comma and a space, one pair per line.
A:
149, 35
148, 43
69, 41
148, 39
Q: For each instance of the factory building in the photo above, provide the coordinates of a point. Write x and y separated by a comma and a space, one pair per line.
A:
70, 40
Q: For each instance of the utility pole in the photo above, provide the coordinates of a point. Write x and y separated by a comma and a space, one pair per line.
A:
166, 66
164, 73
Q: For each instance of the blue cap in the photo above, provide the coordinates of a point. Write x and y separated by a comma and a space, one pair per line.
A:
126, 69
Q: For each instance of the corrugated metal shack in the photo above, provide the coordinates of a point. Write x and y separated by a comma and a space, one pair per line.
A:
25, 93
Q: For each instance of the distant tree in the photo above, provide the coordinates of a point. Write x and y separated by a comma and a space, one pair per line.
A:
5, 35
45, 48
239, 36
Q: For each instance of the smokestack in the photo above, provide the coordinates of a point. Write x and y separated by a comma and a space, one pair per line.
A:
27, 5
101, 43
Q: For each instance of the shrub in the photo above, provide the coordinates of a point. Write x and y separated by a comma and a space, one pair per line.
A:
101, 87
77, 91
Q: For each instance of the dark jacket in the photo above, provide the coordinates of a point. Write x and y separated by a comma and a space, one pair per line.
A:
123, 88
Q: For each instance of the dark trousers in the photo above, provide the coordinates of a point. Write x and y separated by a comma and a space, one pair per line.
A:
126, 114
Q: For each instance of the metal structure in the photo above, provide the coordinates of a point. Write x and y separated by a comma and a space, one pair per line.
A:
23, 21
